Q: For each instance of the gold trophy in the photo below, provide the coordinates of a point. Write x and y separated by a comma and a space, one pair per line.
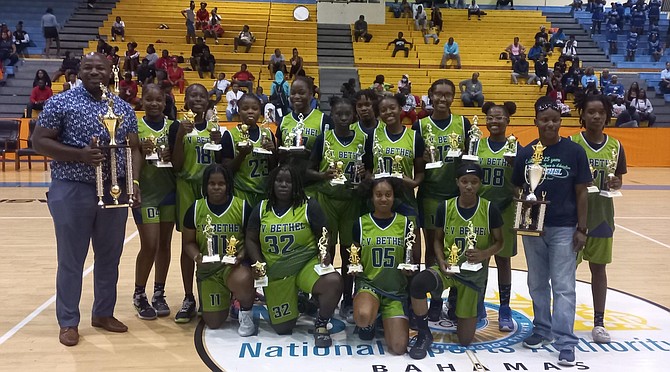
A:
293, 139
454, 145
354, 260
511, 147
190, 117
208, 232
452, 260
321, 268
231, 251
111, 122
214, 127
260, 274
592, 189
435, 162
530, 211
378, 152
162, 142
611, 169
265, 138
396, 166
244, 136
358, 164
475, 134
410, 239
153, 155
471, 243
338, 166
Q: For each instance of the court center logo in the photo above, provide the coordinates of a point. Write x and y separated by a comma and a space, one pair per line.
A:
640, 333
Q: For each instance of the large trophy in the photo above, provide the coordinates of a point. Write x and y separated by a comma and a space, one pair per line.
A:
354, 260
358, 165
111, 122
611, 168
265, 138
231, 251
529, 218
214, 124
321, 268
396, 166
410, 239
208, 232
511, 147
435, 162
293, 139
475, 134
470, 243
378, 153
260, 274
454, 140
338, 166
452, 259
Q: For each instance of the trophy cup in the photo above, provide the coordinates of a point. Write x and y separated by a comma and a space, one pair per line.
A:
117, 78
265, 138
208, 232
190, 117
396, 166
260, 274
475, 134
339, 179
244, 136
153, 155
231, 251
162, 146
293, 139
409, 245
329, 157
452, 260
454, 145
611, 168
321, 268
111, 122
511, 147
435, 163
214, 124
592, 189
358, 164
529, 218
378, 153
354, 260
470, 243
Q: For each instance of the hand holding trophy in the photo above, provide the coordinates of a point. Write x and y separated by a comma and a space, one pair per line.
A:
611, 169
321, 268
214, 127
163, 159
592, 188
208, 232
231, 251
189, 116
435, 162
354, 260
356, 177
410, 239
475, 134
293, 139
471, 243
265, 138
260, 274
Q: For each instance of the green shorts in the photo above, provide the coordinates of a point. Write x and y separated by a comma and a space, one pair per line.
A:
251, 197
281, 295
152, 215
341, 214
187, 193
467, 298
509, 235
213, 291
389, 307
428, 212
597, 251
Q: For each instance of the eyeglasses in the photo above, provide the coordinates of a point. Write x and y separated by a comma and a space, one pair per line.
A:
496, 118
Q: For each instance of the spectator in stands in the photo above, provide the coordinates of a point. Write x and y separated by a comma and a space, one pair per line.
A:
72, 81
233, 96
189, 15
618, 108
570, 49
420, 18
404, 82
164, 61
557, 39
432, 32
614, 89
406, 9
145, 73
348, 89
654, 13
201, 17
535, 52
296, 64
213, 29
655, 48
473, 9
472, 91
38, 96
132, 59
664, 84
245, 38
244, 78
637, 21
151, 56
128, 89
361, 30
590, 81
118, 28
277, 62
175, 75
400, 43
451, 52
21, 40
207, 63
514, 50
644, 111
409, 108
633, 92
500, 3
621, 15
542, 71
50, 31
597, 16
521, 69
631, 47
541, 36
103, 47
279, 94
170, 108
69, 63
396, 9
380, 84
605, 79
197, 51
560, 67
261, 97
8, 49
41, 75
426, 107
436, 17
557, 93
612, 36
220, 87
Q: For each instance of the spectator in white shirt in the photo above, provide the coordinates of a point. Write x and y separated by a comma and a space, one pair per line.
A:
244, 38
643, 108
232, 97
72, 81
420, 18
118, 28
220, 87
664, 84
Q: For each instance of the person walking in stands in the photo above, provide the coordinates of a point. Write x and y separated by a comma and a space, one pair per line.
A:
50, 30
189, 15
399, 44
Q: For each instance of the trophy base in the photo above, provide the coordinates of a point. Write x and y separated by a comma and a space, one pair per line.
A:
434, 165
151, 157
528, 232
212, 147
592, 189
611, 193
112, 206
261, 282
210, 259
454, 153
229, 260
470, 157
510, 154
337, 181
396, 175
382, 175
408, 267
323, 270
471, 267
292, 148
355, 269
353, 186
163, 164
262, 151
454, 269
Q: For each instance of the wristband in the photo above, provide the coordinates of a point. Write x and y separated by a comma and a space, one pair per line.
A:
136, 182
582, 230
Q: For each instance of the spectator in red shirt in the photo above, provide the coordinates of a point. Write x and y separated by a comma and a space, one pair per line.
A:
164, 61
244, 78
175, 75
128, 89
38, 96
201, 16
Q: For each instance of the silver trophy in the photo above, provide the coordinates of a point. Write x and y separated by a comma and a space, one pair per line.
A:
162, 143
475, 134
358, 164
611, 168
471, 243
378, 152
435, 162
410, 239
293, 139
321, 268
529, 218
264, 138
208, 232
593, 189
214, 124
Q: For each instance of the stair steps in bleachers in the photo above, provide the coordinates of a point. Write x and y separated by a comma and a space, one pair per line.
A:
16, 94
588, 51
334, 46
332, 79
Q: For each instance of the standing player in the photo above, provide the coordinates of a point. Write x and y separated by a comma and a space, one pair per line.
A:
497, 188
155, 219
225, 216
366, 111
190, 160
283, 232
595, 112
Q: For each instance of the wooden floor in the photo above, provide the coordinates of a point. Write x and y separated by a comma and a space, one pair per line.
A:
28, 328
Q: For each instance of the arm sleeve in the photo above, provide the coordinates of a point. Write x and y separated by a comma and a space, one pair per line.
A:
368, 157
416, 127
248, 209
419, 145
495, 218
439, 218
278, 134
172, 134
317, 150
356, 231
254, 222
189, 217
621, 167
317, 219
227, 145
326, 122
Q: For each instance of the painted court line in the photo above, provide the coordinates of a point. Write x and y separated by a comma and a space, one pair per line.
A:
642, 236
48, 302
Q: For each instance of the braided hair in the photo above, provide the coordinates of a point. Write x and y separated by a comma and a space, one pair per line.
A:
298, 196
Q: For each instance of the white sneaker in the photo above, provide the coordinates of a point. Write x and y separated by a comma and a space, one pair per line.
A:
600, 335
247, 326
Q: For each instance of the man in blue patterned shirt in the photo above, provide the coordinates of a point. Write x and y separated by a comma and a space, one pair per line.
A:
65, 131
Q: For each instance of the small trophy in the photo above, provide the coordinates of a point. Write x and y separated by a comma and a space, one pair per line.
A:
358, 164
329, 157
265, 138
321, 268
475, 134
293, 139
111, 122
260, 274
339, 179
378, 153
470, 243
208, 232
435, 163
231, 251
161, 163
409, 245
354, 260
529, 218
117, 78
214, 123
396, 166
244, 136
592, 189
153, 155
611, 168
454, 145
511, 147
452, 260
190, 117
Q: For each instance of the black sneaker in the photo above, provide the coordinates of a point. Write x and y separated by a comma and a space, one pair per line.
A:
420, 344
159, 303
144, 310
322, 337
187, 311
435, 310
366, 333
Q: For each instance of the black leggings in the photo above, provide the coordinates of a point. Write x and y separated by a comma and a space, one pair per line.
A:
425, 282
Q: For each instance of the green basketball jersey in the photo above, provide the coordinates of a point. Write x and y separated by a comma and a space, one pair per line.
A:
404, 146
312, 129
382, 250
255, 169
455, 230
156, 183
287, 241
441, 183
497, 186
347, 155
600, 221
195, 158
357, 127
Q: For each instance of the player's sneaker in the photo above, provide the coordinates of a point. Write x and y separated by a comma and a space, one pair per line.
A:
322, 336
247, 325
420, 344
566, 358
187, 311
366, 333
505, 323
144, 310
159, 303
435, 309
600, 335
535, 341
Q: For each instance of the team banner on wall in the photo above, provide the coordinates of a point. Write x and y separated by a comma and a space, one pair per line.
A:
640, 333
